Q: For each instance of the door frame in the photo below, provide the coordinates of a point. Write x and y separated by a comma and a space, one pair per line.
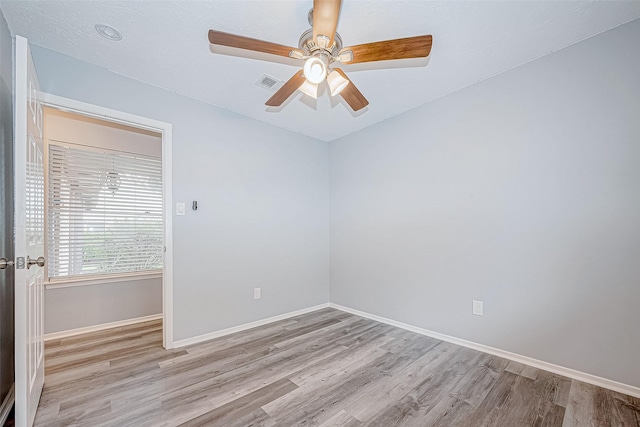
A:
165, 129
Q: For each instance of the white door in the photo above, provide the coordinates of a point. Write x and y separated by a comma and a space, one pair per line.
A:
29, 239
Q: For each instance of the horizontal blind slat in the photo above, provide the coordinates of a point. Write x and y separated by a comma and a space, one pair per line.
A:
105, 212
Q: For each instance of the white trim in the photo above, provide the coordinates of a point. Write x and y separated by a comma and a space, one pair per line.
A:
20, 248
545, 366
167, 276
100, 327
100, 280
166, 130
234, 329
7, 404
96, 111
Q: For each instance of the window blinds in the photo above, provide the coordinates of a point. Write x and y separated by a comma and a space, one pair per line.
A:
104, 212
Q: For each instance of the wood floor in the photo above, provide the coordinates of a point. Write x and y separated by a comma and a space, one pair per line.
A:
326, 368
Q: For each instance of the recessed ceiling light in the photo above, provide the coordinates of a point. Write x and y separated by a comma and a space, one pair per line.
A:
108, 32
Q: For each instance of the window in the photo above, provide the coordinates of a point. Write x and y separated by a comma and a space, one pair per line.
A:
104, 212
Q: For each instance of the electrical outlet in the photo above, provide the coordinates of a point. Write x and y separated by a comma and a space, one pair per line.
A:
257, 294
180, 210
478, 309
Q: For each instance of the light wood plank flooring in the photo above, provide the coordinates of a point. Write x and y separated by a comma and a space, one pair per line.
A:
326, 368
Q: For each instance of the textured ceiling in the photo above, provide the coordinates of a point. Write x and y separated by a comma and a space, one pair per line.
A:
165, 44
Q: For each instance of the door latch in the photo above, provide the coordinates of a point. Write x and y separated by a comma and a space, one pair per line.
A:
40, 261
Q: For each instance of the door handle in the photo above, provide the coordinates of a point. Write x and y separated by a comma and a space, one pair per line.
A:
39, 262
4, 263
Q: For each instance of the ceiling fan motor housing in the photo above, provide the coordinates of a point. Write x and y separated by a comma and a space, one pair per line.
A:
310, 46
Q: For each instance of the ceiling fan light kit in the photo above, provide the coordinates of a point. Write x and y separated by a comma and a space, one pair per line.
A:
309, 89
336, 82
315, 69
321, 46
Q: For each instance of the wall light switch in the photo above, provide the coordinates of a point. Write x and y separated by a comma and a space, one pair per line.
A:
257, 294
180, 210
478, 310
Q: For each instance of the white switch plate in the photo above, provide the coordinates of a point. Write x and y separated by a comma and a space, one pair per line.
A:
478, 310
257, 293
180, 210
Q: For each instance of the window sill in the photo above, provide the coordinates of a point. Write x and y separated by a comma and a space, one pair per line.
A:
101, 280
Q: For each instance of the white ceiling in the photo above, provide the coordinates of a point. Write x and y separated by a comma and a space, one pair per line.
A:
165, 44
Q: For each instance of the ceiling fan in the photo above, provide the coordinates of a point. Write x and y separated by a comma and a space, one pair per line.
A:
321, 47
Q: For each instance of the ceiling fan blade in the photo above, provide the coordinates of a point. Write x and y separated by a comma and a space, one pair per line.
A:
325, 18
286, 90
231, 40
351, 94
405, 48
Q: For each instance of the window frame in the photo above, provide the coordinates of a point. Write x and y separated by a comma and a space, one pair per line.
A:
91, 279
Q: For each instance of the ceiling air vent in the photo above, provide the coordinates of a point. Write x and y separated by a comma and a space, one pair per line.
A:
269, 82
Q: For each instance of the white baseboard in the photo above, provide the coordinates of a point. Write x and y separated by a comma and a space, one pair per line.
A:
234, 329
100, 327
7, 404
545, 366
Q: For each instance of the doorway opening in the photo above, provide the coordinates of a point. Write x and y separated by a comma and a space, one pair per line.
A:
108, 220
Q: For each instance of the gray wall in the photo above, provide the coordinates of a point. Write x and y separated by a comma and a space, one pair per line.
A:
88, 305
6, 210
522, 191
263, 195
